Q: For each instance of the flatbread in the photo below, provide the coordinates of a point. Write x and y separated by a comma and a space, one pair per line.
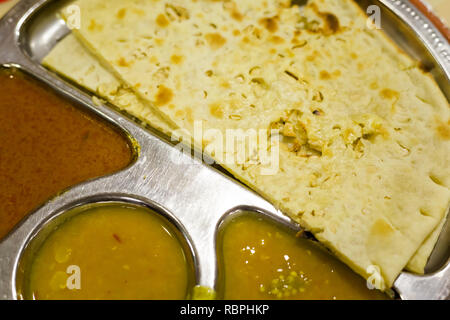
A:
365, 133
70, 59
73, 61
419, 261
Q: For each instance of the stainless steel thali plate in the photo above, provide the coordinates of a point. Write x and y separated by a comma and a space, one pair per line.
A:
193, 194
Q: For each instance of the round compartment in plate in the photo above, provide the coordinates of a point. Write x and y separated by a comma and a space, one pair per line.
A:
107, 250
260, 258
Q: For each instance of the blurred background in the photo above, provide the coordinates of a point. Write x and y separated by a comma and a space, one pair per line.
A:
442, 8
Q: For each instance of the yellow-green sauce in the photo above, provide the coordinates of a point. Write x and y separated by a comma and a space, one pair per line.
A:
120, 252
262, 260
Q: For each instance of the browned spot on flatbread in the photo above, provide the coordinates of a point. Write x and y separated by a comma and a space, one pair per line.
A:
215, 40
122, 62
162, 21
324, 75
271, 24
176, 59
236, 15
331, 22
216, 110
443, 129
245, 40
381, 229
121, 13
389, 94
94, 26
225, 84
164, 96
277, 40
233, 10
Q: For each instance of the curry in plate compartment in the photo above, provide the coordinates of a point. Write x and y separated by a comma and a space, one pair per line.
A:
110, 252
46, 146
263, 260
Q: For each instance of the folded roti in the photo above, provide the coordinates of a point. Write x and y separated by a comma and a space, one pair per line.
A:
364, 143
70, 59
73, 61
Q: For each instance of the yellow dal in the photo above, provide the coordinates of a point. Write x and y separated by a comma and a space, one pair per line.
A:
263, 260
122, 253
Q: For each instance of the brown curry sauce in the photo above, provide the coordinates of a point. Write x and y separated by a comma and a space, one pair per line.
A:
46, 146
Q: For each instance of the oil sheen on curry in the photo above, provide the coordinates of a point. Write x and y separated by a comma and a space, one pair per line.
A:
46, 146
110, 252
262, 260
